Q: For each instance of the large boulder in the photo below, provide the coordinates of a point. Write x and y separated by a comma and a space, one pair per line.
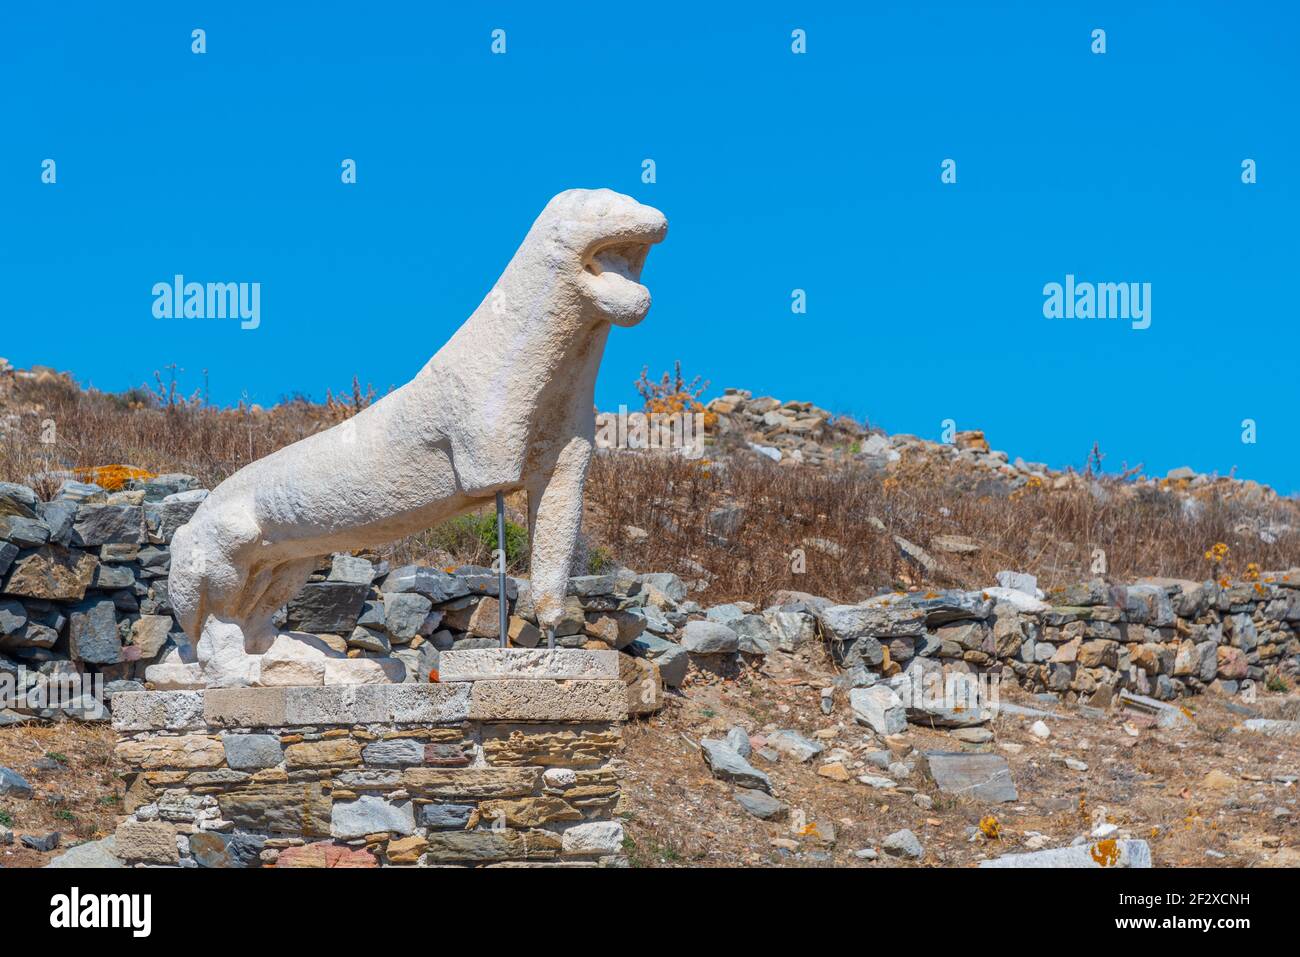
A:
709, 638
53, 573
109, 524
849, 622
672, 658
432, 583
330, 607
92, 632
879, 708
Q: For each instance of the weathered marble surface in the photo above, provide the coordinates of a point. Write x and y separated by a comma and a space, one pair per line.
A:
506, 405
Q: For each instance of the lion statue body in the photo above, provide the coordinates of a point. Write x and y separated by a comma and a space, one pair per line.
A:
506, 405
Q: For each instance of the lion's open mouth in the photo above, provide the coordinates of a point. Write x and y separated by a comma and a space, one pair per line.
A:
611, 266
620, 261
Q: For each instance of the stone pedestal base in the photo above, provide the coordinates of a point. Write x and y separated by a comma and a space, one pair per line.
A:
514, 764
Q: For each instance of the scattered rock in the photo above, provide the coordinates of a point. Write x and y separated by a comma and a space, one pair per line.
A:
93, 854
835, 771
761, 805
877, 783
794, 745
986, 777
43, 843
738, 738
1107, 853
13, 784
879, 708
1216, 780
727, 765
1272, 726
903, 844
955, 545
709, 638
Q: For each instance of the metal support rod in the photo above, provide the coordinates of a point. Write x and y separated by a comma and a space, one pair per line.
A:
503, 616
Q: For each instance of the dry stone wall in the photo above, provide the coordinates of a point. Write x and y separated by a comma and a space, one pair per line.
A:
83, 591
517, 770
1161, 638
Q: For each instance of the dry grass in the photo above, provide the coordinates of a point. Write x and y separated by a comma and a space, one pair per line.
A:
73, 773
1050, 533
95, 428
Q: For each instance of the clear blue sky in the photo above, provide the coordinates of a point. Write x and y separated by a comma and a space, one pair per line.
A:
776, 172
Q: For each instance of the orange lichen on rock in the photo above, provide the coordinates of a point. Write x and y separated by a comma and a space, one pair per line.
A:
1105, 853
112, 478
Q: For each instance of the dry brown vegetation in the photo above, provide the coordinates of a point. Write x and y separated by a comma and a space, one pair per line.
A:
142, 429
73, 773
778, 509
1052, 533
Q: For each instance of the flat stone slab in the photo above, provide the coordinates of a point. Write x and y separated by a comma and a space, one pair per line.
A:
538, 664
1167, 715
1109, 853
1271, 726
545, 700
94, 854
880, 708
986, 777
504, 699
1024, 711
157, 710
284, 707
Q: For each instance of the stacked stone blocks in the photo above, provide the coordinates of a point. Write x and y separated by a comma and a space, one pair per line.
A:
518, 770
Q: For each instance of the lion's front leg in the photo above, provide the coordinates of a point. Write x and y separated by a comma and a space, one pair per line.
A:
223, 657
555, 516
